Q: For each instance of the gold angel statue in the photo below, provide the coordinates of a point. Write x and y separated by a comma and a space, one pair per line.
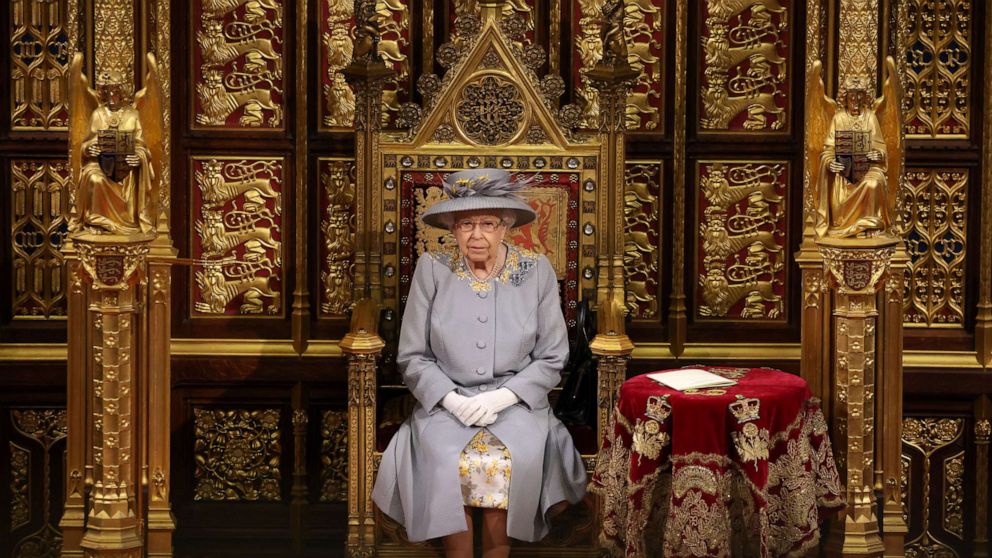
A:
854, 152
115, 152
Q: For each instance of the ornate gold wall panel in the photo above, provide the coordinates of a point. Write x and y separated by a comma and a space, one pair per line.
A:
642, 247
237, 453
38, 437
337, 18
39, 59
857, 40
237, 64
932, 449
937, 68
742, 224
40, 201
645, 26
336, 26
114, 33
334, 456
745, 53
337, 233
236, 213
936, 220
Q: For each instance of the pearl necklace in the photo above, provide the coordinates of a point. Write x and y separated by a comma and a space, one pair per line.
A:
492, 273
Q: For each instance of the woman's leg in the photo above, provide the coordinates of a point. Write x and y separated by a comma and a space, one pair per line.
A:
459, 545
495, 542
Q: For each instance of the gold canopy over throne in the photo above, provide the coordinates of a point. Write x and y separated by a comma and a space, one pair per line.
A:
490, 109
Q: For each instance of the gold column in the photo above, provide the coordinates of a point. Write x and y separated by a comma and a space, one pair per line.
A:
856, 271
677, 320
362, 345
613, 347
983, 431
115, 271
888, 405
301, 294
983, 321
78, 475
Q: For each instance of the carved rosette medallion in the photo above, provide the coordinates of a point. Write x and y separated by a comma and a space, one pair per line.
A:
491, 111
935, 215
238, 454
745, 52
238, 236
39, 204
238, 64
337, 227
742, 234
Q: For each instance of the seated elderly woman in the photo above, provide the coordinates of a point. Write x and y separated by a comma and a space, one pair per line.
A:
483, 341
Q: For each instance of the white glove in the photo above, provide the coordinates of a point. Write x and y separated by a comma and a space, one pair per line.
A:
469, 410
497, 400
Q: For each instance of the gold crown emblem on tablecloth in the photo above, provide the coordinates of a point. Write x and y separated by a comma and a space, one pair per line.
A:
658, 408
745, 409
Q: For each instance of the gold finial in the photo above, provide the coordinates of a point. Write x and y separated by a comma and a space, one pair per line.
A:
490, 10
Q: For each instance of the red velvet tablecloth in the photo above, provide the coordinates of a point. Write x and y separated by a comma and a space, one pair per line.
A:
745, 470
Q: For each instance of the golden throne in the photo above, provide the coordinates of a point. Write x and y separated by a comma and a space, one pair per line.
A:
490, 109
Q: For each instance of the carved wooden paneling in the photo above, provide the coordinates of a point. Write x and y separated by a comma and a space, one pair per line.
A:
743, 235
525, 10
642, 246
37, 447
238, 453
40, 201
935, 212
337, 18
238, 230
334, 456
336, 26
645, 24
933, 456
39, 60
938, 68
337, 234
745, 56
238, 50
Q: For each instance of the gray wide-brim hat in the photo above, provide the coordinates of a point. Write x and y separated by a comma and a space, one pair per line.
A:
480, 189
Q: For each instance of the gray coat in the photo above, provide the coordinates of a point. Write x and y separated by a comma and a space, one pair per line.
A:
454, 337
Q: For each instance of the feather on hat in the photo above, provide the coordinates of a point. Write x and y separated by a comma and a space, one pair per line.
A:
480, 189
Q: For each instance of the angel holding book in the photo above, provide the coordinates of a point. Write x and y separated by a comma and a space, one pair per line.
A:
857, 167
115, 153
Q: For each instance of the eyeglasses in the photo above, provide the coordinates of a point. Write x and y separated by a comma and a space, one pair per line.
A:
487, 225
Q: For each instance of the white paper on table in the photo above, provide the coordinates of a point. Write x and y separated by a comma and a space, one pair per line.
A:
691, 378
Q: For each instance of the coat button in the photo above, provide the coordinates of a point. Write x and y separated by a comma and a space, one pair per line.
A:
480, 370
480, 344
483, 294
483, 318
483, 387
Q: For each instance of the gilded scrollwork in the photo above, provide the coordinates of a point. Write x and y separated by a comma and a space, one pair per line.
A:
20, 486
238, 236
238, 61
642, 258
338, 234
45, 426
857, 44
334, 456
938, 69
746, 48
39, 204
742, 227
39, 61
953, 516
935, 215
394, 47
338, 48
237, 454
